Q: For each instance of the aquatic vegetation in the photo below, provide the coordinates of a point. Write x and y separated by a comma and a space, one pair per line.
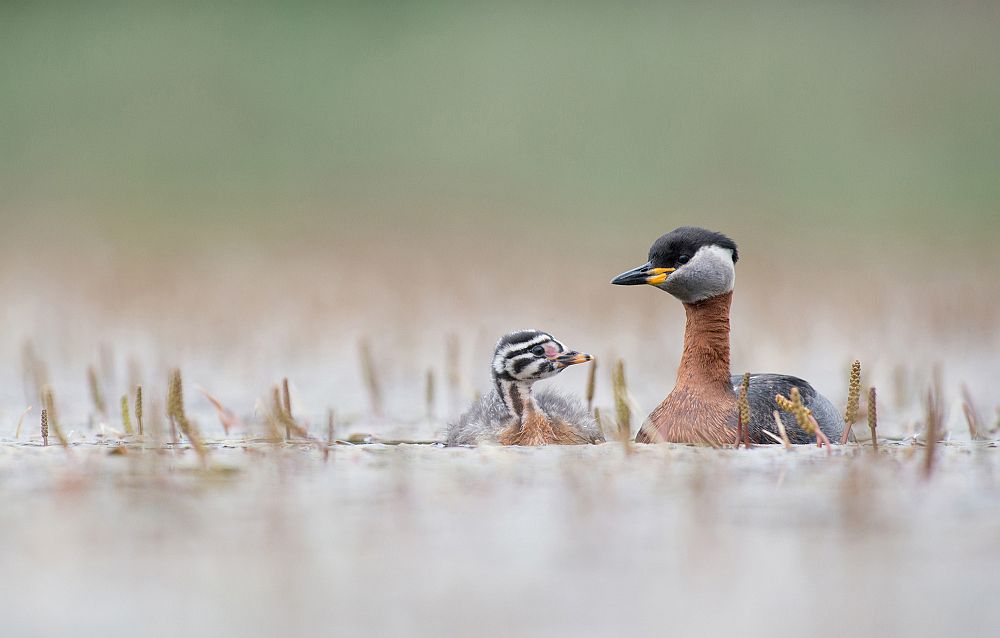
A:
126, 419
591, 385
286, 408
972, 418
178, 418
623, 413
873, 417
227, 418
95, 391
781, 430
743, 404
49, 401
934, 420
370, 375
138, 409
20, 422
803, 415
853, 399
429, 393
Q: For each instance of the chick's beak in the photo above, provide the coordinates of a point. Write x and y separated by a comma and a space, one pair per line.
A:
644, 274
571, 357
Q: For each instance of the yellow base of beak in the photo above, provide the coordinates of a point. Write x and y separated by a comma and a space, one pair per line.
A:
658, 275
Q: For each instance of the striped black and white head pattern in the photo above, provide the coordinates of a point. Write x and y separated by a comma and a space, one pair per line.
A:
692, 264
530, 355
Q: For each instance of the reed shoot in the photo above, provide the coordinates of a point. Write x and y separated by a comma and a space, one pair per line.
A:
138, 409
95, 392
803, 416
622, 410
20, 422
971, 414
227, 418
329, 434
794, 406
873, 417
178, 418
429, 394
853, 400
591, 383
286, 404
283, 415
935, 420
49, 404
743, 425
781, 430
126, 419
371, 377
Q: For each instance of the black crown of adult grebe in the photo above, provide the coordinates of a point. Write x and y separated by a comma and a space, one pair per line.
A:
698, 267
511, 414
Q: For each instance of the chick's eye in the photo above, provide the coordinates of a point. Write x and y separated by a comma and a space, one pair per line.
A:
538, 351
683, 259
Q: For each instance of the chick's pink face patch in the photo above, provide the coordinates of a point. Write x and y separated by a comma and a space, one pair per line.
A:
551, 349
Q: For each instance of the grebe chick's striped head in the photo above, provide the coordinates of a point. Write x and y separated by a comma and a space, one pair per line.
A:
692, 264
527, 356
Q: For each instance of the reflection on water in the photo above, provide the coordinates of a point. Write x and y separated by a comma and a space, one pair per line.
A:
417, 540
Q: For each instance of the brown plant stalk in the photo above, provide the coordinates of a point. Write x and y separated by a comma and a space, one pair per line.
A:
873, 417
853, 400
175, 410
743, 425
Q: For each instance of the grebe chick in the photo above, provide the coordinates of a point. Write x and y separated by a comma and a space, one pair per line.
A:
511, 414
697, 266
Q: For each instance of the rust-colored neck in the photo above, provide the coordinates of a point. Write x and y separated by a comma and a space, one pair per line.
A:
705, 362
702, 406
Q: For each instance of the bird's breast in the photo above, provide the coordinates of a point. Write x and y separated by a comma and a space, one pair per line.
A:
537, 428
693, 415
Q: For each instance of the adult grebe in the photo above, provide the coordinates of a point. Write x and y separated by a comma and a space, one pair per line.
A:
511, 414
697, 266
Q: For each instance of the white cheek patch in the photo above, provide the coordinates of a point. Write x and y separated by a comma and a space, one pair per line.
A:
717, 260
725, 257
710, 272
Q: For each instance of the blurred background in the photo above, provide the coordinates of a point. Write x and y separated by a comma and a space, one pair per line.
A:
246, 190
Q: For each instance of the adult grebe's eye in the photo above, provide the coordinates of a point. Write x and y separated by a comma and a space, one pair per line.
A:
538, 351
683, 259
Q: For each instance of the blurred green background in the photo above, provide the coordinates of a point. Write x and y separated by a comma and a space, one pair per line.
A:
183, 179
883, 116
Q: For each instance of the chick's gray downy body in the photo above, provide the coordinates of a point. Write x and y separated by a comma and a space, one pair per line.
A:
488, 417
512, 413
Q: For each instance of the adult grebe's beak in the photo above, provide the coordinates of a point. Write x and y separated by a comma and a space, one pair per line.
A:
571, 357
644, 274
